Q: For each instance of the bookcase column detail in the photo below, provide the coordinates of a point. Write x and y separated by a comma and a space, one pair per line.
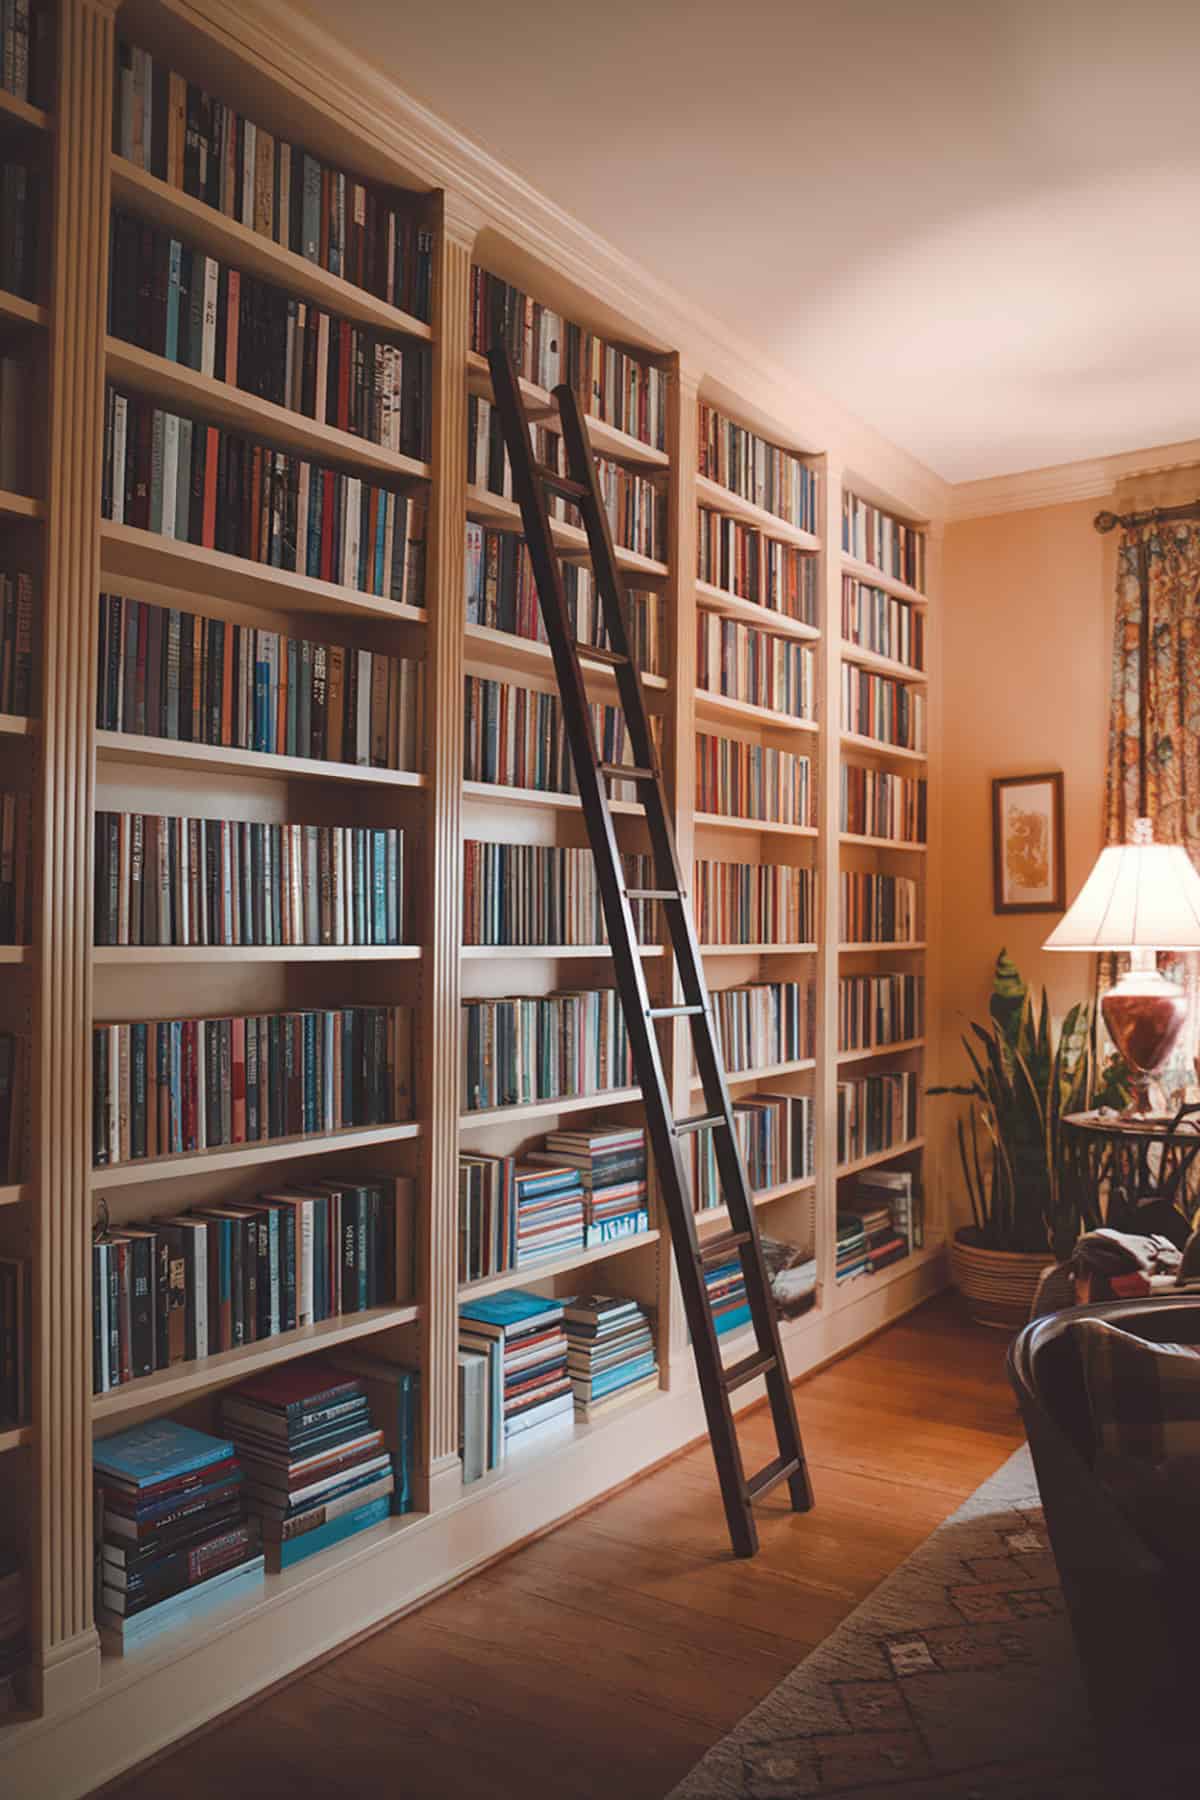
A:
940, 1157
66, 1648
829, 703
440, 1015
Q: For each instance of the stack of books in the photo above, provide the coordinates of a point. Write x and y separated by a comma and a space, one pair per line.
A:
873, 1240
514, 1388
610, 1354
894, 1189
317, 1467
14, 1627
726, 1287
612, 1167
173, 1534
851, 1247
549, 1208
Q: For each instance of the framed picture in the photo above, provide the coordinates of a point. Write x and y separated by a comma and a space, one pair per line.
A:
1028, 864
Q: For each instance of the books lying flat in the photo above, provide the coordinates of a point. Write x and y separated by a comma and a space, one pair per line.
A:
121, 1634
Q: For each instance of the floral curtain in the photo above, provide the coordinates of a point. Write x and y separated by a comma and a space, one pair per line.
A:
1163, 558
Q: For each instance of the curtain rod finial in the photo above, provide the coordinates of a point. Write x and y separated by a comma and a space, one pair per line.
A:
1106, 521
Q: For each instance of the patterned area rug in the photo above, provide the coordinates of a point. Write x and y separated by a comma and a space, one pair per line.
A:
955, 1680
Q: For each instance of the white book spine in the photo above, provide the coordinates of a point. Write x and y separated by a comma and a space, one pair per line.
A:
208, 351
170, 473
120, 427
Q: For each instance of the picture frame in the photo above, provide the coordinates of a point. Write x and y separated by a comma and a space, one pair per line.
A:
1028, 856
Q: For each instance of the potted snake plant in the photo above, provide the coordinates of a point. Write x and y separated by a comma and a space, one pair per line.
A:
1025, 1214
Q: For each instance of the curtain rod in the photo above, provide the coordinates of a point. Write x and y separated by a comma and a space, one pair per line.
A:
1108, 521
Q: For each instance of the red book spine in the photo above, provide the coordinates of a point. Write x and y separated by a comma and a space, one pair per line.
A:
212, 452
239, 1081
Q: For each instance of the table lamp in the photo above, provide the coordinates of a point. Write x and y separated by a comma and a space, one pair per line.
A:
1141, 897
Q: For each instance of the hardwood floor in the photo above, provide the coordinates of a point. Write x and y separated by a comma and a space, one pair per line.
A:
605, 1658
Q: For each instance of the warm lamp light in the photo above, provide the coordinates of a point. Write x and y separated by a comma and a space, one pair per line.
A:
1141, 897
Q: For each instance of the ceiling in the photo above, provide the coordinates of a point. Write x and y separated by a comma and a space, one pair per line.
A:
974, 224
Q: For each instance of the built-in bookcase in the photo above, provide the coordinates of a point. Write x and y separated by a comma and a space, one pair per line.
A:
752, 612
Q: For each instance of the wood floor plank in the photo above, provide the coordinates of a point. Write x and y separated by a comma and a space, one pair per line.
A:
608, 1655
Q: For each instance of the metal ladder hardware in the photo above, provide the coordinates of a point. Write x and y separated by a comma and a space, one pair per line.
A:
693, 1256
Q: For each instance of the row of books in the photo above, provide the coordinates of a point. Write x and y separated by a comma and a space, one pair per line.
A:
514, 736
20, 220
879, 1010
775, 1134
876, 621
16, 871
502, 595
636, 506
16, 641
874, 536
543, 894
878, 1229
876, 803
755, 666
14, 1087
178, 881
201, 484
743, 561
752, 781
521, 1049
581, 1190
197, 143
214, 1278
875, 1112
877, 706
161, 1087
15, 1340
878, 909
765, 1022
547, 349
754, 903
169, 298
26, 50
198, 680
760, 472
16, 398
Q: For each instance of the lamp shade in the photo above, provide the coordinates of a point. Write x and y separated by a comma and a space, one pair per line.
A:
1138, 896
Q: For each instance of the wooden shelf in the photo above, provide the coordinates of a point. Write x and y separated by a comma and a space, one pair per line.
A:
767, 827
724, 500
249, 1156
718, 1215
559, 1265
885, 665
546, 952
130, 554
853, 740
570, 540
872, 1051
519, 796
16, 953
759, 949
620, 446
179, 386
14, 1193
749, 612
879, 843
875, 948
19, 115
20, 506
174, 1384
722, 706
16, 725
547, 1109
127, 955
504, 652
15, 1437
879, 1156
122, 747
865, 571
16, 310
769, 1072
202, 225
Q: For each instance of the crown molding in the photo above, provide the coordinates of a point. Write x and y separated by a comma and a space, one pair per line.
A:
305, 55
1091, 479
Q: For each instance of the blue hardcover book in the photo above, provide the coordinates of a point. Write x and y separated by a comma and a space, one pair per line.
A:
325, 1536
513, 1310
158, 1451
607, 1231
738, 1315
613, 1379
123, 1634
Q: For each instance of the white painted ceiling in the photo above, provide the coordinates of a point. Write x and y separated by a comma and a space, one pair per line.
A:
974, 224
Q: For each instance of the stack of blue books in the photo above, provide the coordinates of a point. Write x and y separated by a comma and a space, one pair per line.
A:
610, 1353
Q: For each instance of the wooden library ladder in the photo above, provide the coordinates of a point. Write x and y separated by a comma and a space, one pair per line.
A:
531, 483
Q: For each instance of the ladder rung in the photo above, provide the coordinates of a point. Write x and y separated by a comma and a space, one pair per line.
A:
613, 658
654, 894
736, 1375
672, 1012
714, 1248
626, 772
772, 1475
698, 1121
561, 484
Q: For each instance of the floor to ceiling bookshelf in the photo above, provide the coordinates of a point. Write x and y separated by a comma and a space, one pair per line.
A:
89, 1715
